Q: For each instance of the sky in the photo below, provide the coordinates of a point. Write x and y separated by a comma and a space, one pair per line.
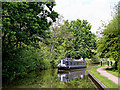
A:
94, 11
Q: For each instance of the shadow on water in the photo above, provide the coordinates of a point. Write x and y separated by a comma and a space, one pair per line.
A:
54, 79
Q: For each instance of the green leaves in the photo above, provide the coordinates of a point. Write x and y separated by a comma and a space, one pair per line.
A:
83, 41
109, 44
22, 19
25, 26
74, 39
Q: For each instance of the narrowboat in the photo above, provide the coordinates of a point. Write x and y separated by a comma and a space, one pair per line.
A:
68, 63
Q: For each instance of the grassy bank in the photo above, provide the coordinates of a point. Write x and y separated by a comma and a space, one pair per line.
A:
104, 80
113, 72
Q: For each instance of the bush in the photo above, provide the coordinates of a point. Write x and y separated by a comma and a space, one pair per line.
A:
17, 63
95, 59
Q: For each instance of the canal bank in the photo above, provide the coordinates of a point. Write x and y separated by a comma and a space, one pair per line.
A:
111, 77
108, 83
98, 83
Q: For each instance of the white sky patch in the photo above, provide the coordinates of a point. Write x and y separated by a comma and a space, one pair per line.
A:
91, 10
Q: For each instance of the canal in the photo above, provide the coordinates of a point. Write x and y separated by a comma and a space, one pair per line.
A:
54, 79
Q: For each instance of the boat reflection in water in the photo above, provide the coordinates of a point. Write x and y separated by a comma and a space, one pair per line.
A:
71, 74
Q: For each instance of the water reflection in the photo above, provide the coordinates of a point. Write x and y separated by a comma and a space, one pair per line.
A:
53, 79
71, 74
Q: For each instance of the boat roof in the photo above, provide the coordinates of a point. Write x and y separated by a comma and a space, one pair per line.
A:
70, 59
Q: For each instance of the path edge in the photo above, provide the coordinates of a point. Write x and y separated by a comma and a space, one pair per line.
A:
99, 83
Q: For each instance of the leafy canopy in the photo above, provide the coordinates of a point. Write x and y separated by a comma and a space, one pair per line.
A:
26, 22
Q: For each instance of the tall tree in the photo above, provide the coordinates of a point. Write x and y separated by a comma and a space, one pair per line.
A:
110, 42
84, 41
54, 30
60, 39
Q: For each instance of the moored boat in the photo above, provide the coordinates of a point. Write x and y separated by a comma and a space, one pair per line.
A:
68, 63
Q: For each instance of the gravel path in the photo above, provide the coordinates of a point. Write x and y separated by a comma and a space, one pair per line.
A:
111, 77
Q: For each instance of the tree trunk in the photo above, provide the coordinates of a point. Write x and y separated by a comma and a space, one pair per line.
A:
53, 43
116, 65
52, 46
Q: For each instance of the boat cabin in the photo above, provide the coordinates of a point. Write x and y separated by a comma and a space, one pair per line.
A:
69, 63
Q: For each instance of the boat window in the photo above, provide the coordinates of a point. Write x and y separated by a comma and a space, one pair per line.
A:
70, 63
60, 61
60, 78
67, 63
63, 78
63, 62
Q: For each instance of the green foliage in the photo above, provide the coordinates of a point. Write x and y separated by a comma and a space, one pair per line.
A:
25, 30
109, 44
29, 44
96, 59
60, 40
25, 22
73, 40
83, 41
22, 61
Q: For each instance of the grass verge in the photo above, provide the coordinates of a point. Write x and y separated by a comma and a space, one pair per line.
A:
115, 73
104, 80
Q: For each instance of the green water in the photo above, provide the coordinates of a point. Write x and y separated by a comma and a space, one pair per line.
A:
53, 79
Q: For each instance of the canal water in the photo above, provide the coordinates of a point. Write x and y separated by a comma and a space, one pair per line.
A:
54, 79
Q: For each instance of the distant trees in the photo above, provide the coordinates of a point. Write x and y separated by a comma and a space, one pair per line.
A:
84, 41
60, 40
109, 45
75, 40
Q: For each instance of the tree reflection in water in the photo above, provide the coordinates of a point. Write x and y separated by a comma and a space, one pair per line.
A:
52, 79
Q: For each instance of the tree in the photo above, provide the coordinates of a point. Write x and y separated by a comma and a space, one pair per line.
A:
60, 43
110, 42
74, 40
84, 41
63, 41
25, 22
25, 26
54, 31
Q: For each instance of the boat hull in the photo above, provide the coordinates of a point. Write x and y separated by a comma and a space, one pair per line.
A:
69, 68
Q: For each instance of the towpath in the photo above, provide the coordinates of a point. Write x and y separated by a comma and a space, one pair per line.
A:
111, 77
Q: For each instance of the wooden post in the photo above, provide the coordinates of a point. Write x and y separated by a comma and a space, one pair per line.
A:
108, 63
111, 63
101, 63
